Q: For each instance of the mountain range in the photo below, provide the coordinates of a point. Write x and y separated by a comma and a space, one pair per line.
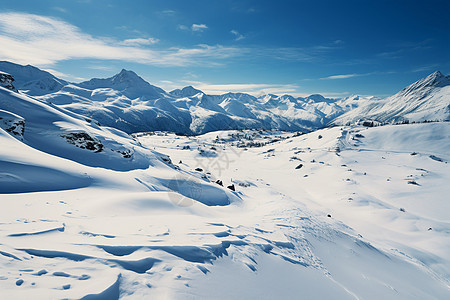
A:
127, 102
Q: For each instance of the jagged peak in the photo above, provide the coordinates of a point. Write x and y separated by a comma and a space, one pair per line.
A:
435, 79
191, 89
436, 74
187, 91
316, 98
127, 75
125, 78
127, 72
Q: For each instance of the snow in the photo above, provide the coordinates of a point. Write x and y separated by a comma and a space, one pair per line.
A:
127, 102
31, 79
425, 100
91, 212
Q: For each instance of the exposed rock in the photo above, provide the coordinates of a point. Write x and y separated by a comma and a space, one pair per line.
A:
12, 123
6, 81
83, 141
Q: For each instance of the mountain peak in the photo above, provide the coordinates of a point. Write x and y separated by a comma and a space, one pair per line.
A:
32, 79
435, 79
127, 75
127, 82
127, 72
187, 91
436, 74
190, 88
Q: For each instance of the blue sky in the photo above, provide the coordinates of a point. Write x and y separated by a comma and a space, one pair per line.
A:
335, 48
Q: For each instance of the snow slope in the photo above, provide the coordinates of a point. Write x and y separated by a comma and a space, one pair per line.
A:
31, 79
123, 220
425, 100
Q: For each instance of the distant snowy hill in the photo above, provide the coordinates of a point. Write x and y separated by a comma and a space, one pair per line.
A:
32, 80
425, 100
187, 91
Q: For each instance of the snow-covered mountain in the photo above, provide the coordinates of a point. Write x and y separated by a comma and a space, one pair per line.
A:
128, 84
32, 80
428, 99
187, 91
127, 102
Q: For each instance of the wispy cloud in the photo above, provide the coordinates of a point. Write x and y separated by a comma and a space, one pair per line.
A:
345, 76
99, 67
43, 41
193, 27
250, 88
139, 42
64, 75
168, 12
198, 27
403, 48
342, 76
60, 9
255, 89
426, 68
237, 35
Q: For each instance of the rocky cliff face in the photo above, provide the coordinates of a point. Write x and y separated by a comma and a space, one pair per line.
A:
6, 81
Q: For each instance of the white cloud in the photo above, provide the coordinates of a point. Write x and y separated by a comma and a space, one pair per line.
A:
342, 76
193, 27
426, 68
43, 41
139, 42
99, 67
255, 89
168, 12
250, 88
198, 27
64, 75
238, 36
60, 9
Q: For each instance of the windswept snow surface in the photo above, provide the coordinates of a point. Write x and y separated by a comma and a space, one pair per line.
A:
89, 212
